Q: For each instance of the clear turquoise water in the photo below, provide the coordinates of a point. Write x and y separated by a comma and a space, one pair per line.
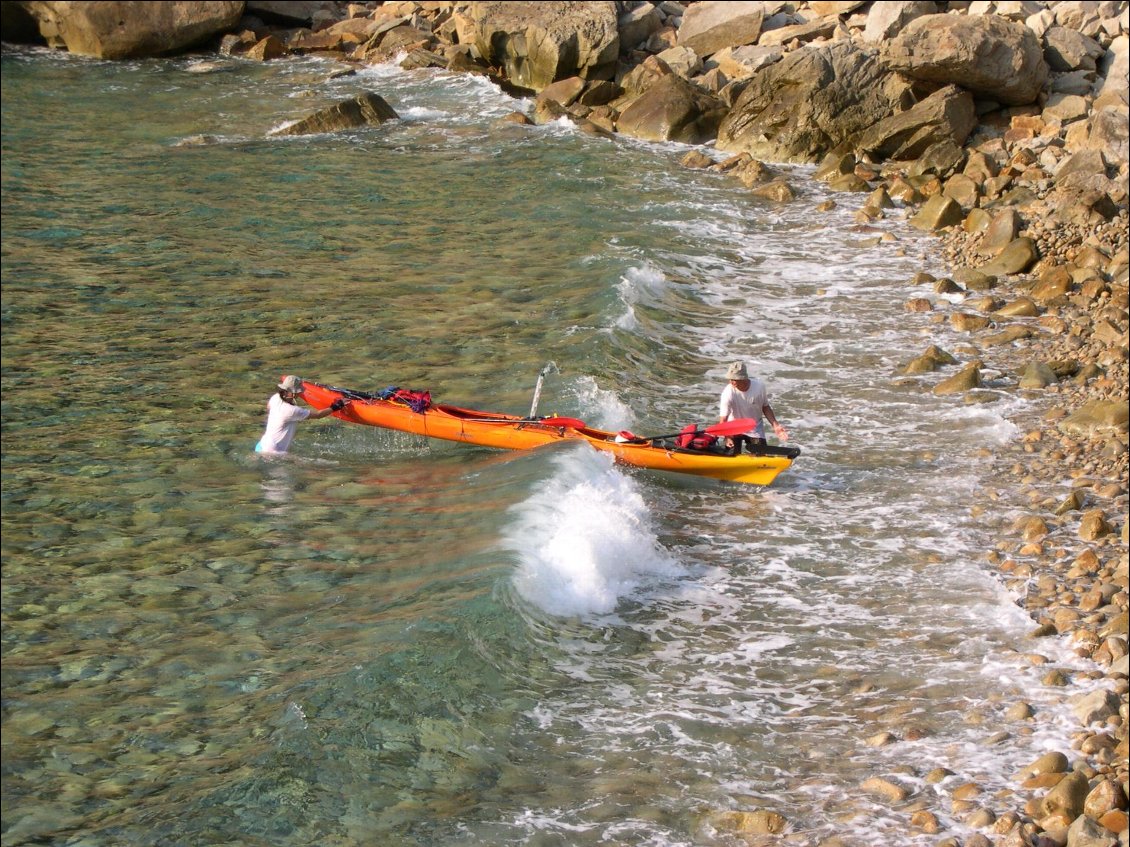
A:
380, 640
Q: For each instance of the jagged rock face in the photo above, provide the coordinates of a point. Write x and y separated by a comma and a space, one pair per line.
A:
714, 25
985, 54
884, 20
947, 114
125, 30
673, 110
800, 108
366, 109
539, 43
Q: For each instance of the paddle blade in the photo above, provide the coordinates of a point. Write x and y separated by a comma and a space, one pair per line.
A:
735, 427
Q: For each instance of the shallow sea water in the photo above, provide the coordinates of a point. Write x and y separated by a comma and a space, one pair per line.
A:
382, 640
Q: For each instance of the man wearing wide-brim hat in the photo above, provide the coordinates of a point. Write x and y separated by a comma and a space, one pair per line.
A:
283, 415
747, 398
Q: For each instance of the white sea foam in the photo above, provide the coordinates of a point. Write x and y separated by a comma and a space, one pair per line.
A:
638, 285
584, 540
422, 113
601, 407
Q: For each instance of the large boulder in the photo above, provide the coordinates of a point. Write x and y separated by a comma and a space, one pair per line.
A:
1097, 416
713, 25
366, 109
885, 20
1015, 258
673, 109
1109, 133
130, 30
800, 108
638, 25
539, 43
986, 54
947, 114
1115, 69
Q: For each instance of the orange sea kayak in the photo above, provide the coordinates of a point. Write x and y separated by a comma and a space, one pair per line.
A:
510, 432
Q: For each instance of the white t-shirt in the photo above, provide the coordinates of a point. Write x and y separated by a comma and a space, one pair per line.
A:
282, 421
745, 404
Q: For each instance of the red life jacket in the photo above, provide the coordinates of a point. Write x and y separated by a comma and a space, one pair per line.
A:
692, 439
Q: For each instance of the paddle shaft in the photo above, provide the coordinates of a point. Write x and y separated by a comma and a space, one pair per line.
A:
550, 367
571, 423
735, 427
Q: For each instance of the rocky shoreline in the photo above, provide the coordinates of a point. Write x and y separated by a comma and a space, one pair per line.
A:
1000, 126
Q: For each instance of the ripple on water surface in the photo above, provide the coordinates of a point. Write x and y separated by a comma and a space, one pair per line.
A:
379, 637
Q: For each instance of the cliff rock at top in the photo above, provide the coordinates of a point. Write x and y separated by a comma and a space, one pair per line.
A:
539, 43
125, 30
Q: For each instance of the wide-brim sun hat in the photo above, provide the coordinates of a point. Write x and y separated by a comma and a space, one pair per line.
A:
293, 384
737, 371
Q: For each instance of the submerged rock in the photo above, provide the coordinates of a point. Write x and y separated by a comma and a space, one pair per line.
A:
367, 109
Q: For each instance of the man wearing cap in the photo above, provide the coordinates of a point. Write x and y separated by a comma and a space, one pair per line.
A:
283, 416
747, 398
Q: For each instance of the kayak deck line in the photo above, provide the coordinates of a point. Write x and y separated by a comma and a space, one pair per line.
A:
513, 432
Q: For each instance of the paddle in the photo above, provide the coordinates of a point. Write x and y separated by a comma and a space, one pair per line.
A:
571, 423
735, 427
550, 368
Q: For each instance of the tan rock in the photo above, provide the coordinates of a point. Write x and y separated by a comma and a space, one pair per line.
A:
1021, 307
710, 26
1067, 797
1016, 258
123, 30
965, 322
1105, 797
1009, 335
366, 109
963, 189
757, 822
974, 280
696, 159
778, 190
1094, 707
885, 788
1116, 820
266, 49
1094, 525
1097, 416
881, 739
1031, 528
926, 821
564, 91
1053, 284
967, 791
931, 360
919, 304
939, 212
1003, 230
1037, 375
1053, 762
1084, 832
978, 220
964, 380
